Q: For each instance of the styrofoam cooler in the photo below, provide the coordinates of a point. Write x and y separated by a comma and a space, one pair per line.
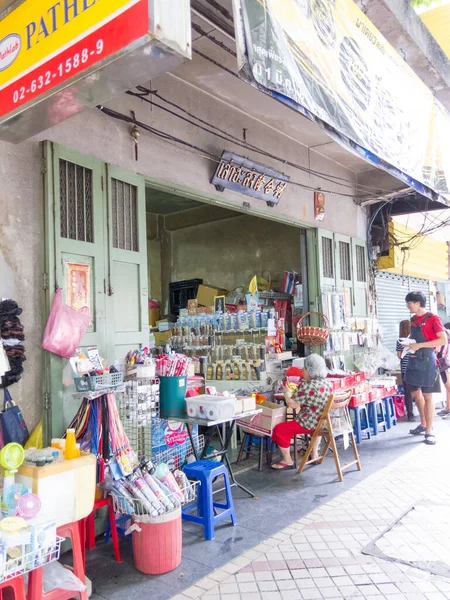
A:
157, 543
210, 408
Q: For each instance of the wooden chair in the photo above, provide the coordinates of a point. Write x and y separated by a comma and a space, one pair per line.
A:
325, 429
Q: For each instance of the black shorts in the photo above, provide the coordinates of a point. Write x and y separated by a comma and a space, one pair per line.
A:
435, 389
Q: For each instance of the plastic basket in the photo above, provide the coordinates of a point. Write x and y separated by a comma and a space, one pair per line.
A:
98, 382
29, 561
138, 507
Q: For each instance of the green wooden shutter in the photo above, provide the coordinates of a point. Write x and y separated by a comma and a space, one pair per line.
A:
94, 217
344, 267
127, 303
74, 235
327, 260
360, 278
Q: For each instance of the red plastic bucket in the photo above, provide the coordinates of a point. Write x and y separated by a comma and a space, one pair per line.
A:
157, 546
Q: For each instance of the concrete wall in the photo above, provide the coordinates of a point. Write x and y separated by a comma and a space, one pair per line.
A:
225, 253
228, 253
21, 232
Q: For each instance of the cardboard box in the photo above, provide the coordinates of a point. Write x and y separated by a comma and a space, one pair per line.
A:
153, 315
264, 422
161, 337
207, 293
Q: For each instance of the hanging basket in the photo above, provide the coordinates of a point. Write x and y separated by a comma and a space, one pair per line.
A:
312, 336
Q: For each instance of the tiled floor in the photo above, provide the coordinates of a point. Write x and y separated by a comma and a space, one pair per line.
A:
302, 538
320, 555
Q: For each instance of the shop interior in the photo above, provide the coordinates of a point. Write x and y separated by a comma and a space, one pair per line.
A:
189, 240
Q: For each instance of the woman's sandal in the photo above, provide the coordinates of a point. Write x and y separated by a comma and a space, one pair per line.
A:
281, 466
430, 439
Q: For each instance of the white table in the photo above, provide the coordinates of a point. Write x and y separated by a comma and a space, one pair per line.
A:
224, 438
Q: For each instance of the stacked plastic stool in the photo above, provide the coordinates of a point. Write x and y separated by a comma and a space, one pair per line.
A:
16, 586
112, 526
74, 532
207, 511
361, 424
377, 415
389, 409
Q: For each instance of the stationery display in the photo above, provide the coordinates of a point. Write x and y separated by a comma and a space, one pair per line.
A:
172, 365
91, 372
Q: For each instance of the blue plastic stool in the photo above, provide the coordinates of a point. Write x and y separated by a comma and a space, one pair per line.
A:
360, 422
206, 471
389, 408
377, 416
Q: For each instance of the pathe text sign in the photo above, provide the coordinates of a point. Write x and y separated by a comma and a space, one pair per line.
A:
46, 43
250, 178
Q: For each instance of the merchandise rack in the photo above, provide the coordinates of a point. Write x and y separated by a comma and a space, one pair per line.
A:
171, 456
137, 406
122, 504
14, 567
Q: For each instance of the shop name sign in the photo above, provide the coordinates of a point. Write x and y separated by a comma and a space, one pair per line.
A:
250, 178
46, 43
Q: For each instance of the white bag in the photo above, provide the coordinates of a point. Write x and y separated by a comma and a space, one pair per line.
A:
56, 576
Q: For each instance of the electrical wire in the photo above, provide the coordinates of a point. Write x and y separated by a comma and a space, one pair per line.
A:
144, 93
189, 146
212, 39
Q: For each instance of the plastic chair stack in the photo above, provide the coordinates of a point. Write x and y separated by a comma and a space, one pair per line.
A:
207, 511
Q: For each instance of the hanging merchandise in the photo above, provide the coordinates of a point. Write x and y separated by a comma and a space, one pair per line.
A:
13, 426
12, 336
99, 430
65, 327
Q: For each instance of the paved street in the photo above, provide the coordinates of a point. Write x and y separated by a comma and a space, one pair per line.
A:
385, 538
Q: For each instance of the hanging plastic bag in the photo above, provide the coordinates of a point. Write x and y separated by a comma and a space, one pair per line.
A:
65, 327
35, 439
56, 576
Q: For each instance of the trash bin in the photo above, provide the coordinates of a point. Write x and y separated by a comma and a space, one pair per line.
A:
172, 394
157, 543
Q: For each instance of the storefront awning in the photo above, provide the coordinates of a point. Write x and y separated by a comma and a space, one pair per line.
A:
328, 61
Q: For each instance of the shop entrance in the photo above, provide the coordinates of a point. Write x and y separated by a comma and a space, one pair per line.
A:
191, 243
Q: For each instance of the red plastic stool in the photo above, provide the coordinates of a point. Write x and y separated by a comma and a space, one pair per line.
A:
90, 526
17, 585
35, 592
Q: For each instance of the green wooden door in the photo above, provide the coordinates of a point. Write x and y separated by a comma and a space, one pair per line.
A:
127, 303
327, 260
360, 278
87, 255
344, 267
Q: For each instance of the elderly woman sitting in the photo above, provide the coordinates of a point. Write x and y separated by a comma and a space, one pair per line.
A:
309, 401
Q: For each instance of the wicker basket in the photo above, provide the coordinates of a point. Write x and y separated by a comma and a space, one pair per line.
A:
312, 336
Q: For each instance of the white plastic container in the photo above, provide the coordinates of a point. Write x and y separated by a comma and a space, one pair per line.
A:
210, 408
66, 489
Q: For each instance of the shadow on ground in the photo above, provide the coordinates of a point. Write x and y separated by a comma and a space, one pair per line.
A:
283, 498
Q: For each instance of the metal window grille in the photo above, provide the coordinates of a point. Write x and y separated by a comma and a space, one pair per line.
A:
327, 258
344, 261
124, 216
361, 273
76, 214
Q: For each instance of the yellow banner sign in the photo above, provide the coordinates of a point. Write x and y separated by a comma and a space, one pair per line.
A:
38, 30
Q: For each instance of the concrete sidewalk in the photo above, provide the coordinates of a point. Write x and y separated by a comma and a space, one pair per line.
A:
388, 537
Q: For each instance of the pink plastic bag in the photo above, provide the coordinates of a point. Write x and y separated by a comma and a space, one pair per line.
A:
65, 327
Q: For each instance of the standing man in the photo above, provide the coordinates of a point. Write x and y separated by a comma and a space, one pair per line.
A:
422, 373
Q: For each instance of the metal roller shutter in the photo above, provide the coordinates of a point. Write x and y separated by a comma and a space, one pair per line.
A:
391, 307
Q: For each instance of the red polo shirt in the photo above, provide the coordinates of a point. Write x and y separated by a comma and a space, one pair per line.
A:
432, 326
